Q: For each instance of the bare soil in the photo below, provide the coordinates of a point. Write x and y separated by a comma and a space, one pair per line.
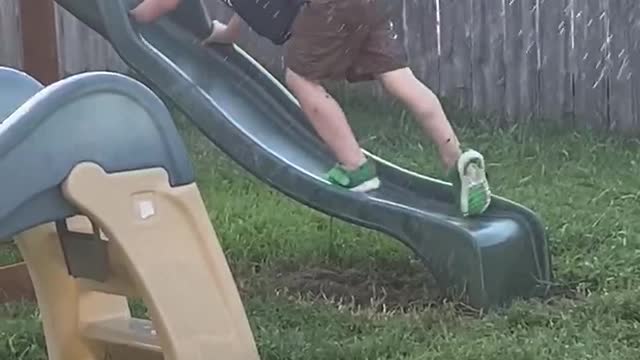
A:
379, 289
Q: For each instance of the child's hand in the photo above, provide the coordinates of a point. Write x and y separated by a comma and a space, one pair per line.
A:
220, 34
149, 10
225, 34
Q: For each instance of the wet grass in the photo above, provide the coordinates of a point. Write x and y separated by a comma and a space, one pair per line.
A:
8, 253
318, 288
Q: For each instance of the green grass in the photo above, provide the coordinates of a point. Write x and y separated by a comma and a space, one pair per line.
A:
8, 254
317, 288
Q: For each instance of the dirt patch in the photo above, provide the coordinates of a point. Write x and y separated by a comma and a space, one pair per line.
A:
382, 290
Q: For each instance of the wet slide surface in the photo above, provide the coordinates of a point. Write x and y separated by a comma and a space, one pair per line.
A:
250, 116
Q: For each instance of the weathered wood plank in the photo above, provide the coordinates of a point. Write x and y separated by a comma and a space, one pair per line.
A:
455, 56
10, 34
634, 58
521, 57
82, 49
487, 61
555, 95
510, 57
591, 68
530, 66
513, 51
69, 37
421, 40
623, 14
39, 40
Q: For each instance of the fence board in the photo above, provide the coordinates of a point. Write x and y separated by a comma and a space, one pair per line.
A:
487, 64
82, 49
421, 39
620, 80
555, 95
560, 59
10, 34
591, 68
455, 57
635, 61
521, 57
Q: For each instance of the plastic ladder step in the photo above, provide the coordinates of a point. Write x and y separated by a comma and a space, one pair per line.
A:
136, 333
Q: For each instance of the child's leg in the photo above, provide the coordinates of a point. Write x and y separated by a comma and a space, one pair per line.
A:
322, 47
466, 170
327, 118
426, 108
383, 56
150, 10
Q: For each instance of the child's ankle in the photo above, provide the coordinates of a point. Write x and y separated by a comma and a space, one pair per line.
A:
354, 165
450, 163
449, 157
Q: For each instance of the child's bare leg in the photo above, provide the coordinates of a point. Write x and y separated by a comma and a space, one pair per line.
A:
149, 10
426, 108
327, 118
466, 170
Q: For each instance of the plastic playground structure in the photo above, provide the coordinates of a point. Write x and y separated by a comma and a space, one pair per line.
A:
94, 174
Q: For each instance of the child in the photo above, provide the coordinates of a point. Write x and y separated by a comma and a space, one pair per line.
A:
354, 40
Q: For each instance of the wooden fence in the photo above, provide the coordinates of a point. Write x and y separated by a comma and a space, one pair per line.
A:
569, 61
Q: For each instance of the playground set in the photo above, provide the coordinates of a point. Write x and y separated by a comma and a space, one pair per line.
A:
113, 211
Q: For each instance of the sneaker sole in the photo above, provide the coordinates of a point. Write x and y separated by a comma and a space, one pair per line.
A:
368, 185
472, 177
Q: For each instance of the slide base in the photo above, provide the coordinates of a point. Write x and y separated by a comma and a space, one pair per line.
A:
161, 248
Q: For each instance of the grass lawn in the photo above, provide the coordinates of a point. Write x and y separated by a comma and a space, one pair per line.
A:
317, 288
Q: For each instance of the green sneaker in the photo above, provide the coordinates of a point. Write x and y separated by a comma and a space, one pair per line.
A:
362, 179
470, 183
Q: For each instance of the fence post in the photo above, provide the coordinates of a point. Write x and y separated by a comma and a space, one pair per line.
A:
39, 40
40, 60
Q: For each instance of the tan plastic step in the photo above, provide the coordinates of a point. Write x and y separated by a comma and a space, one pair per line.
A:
114, 286
130, 332
172, 260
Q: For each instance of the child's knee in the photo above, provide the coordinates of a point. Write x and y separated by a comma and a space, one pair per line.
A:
430, 104
424, 104
413, 93
166, 5
297, 83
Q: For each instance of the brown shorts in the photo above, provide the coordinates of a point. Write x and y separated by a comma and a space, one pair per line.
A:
350, 40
